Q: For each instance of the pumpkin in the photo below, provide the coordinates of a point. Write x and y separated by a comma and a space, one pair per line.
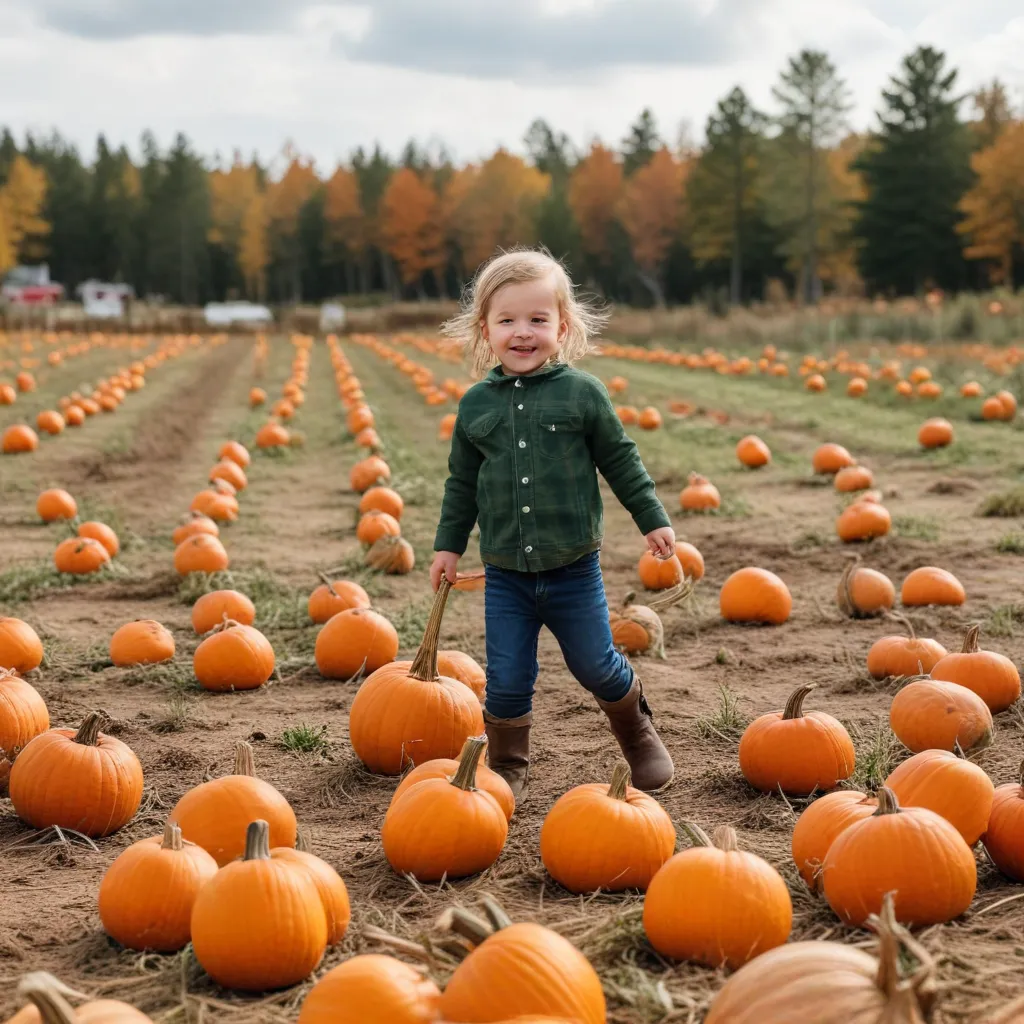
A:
56, 504
853, 478
213, 608
146, 896
20, 647
82, 780
259, 923
950, 786
8, 396
931, 714
815, 382
406, 712
856, 387
972, 389
332, 597
200, 553
716, 904
359, 419
102, 533
80, 556
627, 415
332, 890
864, 592
272, 435
930, 585
637, 628
74, 415
992, 409
369, 438
375, 525
354, 642
49, 1004
903, 655
909, 851
821, 982
369, 471
18, 439
233, 657
257, 396
753, 452
755, 595
1004, 837
699, 495
217, 505
231, 472
796, 753
1009, 403
391, 555
831, 458
446, 767
863, 520
611, 837
194, 524
519, 970
23, 714
816, 829
236, 452
441, 827
993, 677
690, 559
372, 989
145, 642
446, 427
659, 573
457, 665
649, 418
382, 499
935, 433
215, 814
1012, 1013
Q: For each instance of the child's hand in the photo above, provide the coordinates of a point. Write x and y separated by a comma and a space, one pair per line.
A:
446, 563
662, 542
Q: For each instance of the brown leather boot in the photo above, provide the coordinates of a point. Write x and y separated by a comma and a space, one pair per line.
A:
508, 751
633, 726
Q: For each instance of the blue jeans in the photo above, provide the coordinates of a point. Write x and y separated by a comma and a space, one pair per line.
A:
570, 601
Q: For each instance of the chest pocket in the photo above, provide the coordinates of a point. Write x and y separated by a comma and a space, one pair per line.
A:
559, 433
483, 431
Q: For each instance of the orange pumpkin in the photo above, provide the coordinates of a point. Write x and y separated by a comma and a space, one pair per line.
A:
200, 553
375, 525
1004, 837
354, 642
856, 387
21, 650
236, 453
716, 904
830, 458
56, 504
992, 409
699, 495
649, 418
446, 427
232, 472
217, 505
903, 655
935, 433
863, 520
930, 714
864, 592
992, 676
753, 452
457, 665
815, 382
437, 714
819, 826
796, 753
82, 780
370, 471
257, 396
48, 1004
80, 556
382, 499
755, 595
102, 533
272, 435
972, 389
659, 573
392, 555
1009, 403
332, 597
194, 523
213, 608
329, 885
931, 585
49, 421
23, 714
145, 642
233, 657
627, 415
853, 478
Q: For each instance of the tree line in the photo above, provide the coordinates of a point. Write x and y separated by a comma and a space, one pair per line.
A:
932, 197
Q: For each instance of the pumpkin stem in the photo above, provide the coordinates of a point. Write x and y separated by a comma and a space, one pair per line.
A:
887, 802
680, 592
628, 599
89, 731
795, 704
971, 640
245, 762
725, 839
225, 623
495, 913
845, 592
303, 841
621, 778
257, 841
424, 666
916, 993
903, 621
172, 837
468, 925
49, 996
328, 583
696, 834
469, 759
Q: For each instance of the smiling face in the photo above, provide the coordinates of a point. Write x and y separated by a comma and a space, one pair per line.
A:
524, 325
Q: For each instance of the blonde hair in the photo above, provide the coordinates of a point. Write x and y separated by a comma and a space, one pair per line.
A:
518, 266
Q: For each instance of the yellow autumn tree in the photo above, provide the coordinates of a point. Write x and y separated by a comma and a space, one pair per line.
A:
343, 210
595, 190
651, 210
285, 199
994, 208
410, 226
837, 249
22, 226
238, 215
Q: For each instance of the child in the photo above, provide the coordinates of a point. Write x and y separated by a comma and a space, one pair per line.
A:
527, 445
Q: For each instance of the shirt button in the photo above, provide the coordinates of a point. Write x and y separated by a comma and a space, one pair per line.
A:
528, 548
522, 444
519, 383
526, 479
520, 407
526, 508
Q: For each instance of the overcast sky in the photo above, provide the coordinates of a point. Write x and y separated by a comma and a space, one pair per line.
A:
332, 74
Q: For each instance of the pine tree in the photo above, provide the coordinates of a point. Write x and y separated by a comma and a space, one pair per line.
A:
552, 153
642, 142
916, 169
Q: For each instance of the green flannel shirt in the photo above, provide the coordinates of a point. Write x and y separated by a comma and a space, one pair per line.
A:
524, 459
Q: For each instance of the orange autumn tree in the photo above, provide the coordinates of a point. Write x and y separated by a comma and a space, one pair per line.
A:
651, 212
238, 214
837, 250
994, 208
22, 225
410, 226
595, 190
286, 198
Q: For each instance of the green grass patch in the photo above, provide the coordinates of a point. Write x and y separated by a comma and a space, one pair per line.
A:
916, 527
1011, 544
878, 753
812, 539
1004, 619
305, 739
727, 721
1006, 504
278, 604
27, 582
176, 715
411, 621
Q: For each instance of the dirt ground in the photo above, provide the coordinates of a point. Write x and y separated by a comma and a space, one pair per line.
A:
138, 470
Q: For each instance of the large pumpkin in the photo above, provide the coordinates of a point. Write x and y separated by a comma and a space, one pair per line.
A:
930, 714
716, 904
992, 676
796, 753
457, 665
82, 780
407, 712
147, 894
610, 837
355, 642
23, 714
819, 825
332, 890
755, 595
259, 923
20, 647
912, 852
215, 814
1004, 838
233, 657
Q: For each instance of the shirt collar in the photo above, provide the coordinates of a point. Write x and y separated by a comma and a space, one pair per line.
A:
498, 376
